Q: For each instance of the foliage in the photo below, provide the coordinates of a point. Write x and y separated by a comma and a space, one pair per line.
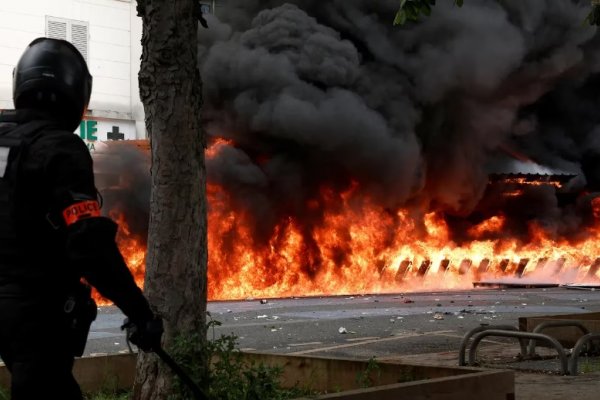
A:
412, 10
109, 391
230, 376
370, 376
593, 17
108, 395
589, 365
187, 351
105, 394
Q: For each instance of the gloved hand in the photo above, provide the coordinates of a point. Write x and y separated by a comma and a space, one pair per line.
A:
144, 334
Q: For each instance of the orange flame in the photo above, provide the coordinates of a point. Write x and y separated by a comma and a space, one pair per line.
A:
357, 247
596, 207
133, 250
216, 146
491, 225
528, 182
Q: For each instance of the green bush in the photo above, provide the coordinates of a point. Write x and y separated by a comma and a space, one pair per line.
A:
108, 395
230, 376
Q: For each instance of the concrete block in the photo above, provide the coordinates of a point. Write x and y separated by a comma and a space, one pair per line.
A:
567, 336
390, 380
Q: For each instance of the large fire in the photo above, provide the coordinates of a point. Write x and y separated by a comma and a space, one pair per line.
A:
358, 247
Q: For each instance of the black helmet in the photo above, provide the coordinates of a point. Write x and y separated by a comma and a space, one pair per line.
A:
53, 76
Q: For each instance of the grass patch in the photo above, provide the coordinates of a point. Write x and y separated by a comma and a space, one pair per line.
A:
102, 395
370, 376
108, 395
588, 365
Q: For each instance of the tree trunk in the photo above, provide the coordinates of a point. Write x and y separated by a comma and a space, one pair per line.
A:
170, 89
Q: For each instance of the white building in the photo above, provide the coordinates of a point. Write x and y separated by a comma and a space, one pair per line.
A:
108, 34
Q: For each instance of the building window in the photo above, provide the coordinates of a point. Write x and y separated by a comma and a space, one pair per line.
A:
76, 32
206, 7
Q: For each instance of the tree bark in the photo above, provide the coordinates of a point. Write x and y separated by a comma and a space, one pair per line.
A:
170, 89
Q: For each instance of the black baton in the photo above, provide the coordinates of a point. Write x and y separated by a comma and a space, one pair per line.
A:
198, 393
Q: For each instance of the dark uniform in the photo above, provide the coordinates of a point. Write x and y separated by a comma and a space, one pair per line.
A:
52, 234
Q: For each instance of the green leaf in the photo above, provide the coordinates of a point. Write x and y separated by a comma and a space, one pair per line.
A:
400, 18
412, 11
595, 15
426, 9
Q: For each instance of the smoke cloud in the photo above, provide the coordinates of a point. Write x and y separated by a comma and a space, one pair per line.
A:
312, 95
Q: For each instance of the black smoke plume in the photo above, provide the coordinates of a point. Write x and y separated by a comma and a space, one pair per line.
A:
316, 94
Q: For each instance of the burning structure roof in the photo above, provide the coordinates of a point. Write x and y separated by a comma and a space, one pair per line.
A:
534, 177
524, 178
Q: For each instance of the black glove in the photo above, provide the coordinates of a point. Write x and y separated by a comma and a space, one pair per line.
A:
144, 334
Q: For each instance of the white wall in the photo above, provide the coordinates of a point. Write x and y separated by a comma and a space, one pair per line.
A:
114, 49
137, 108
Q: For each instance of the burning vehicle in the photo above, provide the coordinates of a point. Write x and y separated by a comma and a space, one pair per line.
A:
350, 156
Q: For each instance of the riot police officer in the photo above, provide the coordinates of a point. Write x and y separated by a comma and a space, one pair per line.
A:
52, 234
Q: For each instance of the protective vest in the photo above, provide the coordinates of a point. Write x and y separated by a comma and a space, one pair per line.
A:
13, 143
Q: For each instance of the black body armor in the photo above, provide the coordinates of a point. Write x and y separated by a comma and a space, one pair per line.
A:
13, 143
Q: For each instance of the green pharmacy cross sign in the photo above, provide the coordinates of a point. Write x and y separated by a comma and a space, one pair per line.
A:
115, 134
88, 131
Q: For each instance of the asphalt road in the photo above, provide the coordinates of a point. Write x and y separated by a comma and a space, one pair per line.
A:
365, 326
